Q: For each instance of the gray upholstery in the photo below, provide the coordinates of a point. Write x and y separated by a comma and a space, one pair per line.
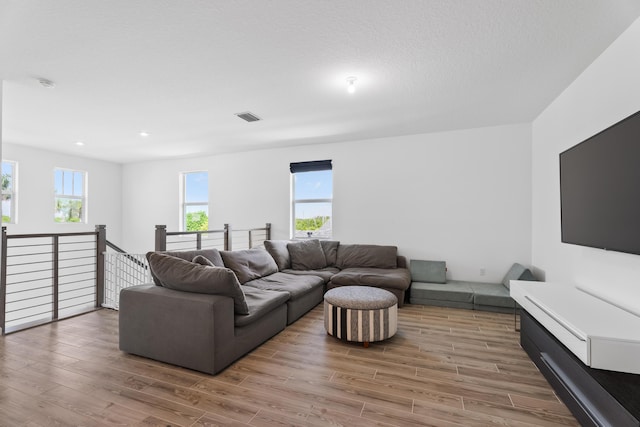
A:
249, 264
373, 256
305, 291
279, 252
330, 249
324, 273
306, 255
260, 303
178, 274
398, 278
453, 290
212, 255
491, 294
428, 271
517, 272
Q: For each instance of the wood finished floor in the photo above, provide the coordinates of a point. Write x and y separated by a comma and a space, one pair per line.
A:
445, 367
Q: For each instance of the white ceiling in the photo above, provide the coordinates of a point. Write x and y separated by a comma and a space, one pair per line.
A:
181, 69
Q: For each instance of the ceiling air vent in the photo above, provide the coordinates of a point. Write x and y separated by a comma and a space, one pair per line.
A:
249, 117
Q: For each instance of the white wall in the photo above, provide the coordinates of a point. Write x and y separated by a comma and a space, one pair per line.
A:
36, 196
463, 196
608, 91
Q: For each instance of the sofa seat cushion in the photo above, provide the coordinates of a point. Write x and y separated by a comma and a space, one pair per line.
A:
295, 285
260, 302
249, 264
325, 273
395, 278
491, 294
453, 290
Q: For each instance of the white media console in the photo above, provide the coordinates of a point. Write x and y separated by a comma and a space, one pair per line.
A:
602, 335
588, 348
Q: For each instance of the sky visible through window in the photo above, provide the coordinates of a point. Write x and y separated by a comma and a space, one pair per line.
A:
197, 187
313, 185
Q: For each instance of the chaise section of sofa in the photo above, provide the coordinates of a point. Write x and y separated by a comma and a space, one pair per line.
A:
430, 287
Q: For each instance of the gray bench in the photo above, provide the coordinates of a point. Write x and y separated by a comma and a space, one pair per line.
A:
430, 287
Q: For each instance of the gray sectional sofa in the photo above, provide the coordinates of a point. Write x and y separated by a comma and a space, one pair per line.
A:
430, 287
208, 308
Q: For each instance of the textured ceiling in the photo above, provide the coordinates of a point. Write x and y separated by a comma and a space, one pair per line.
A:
181, 69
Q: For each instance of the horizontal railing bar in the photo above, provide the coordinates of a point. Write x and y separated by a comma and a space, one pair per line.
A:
36, 236
29, 254
75, 266
177, 233
48, 261
28, 299
29, 289
93, 248
76, 297
75, 305
88, 279
29, 246
29, 281
28, 272
76, 274
31, 315
89, 285
31, 306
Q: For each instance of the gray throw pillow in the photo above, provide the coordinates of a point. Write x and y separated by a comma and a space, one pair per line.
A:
202, 261
212, 255
374, 256
428, 271
517, 272
330, 249
307, 255
249, 264
181, 275
278, 250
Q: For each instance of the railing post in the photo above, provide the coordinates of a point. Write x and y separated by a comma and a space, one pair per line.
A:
56, 268
227, 237
250, 239
161, 238
101, 248
199, 241
3, 280
268, 232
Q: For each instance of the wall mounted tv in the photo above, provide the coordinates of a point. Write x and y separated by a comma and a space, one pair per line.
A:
600, 189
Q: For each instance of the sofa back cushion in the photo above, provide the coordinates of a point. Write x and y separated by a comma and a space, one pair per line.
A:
517, 272
374, 256
212, 255
428, 271
181, 275
279, 252
249, 264
330, 249
306, 255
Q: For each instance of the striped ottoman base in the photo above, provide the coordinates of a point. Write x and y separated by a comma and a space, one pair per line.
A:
360, 314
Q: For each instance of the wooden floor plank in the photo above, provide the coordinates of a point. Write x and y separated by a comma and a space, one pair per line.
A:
444, 367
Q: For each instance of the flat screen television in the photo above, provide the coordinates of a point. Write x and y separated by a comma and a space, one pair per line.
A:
600, 189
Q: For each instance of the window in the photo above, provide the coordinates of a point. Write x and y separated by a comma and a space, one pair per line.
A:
70, 196
9, 191
312, 199
195, 201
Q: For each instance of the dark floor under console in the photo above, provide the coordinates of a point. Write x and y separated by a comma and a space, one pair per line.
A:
595, 397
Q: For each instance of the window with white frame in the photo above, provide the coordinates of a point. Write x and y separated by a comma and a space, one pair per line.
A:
195, 201
311, 199
70, 187
9, 191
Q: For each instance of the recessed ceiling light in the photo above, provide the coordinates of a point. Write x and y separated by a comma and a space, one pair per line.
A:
144, 134
79, 143
351, 84
46, 83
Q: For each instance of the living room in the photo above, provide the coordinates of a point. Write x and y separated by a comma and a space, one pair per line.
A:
479, 197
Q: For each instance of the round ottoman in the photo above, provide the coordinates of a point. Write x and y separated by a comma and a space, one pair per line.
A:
360, 314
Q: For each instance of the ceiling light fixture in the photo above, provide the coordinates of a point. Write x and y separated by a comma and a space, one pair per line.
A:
46, 83
351, 81
79, 143
144, 134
